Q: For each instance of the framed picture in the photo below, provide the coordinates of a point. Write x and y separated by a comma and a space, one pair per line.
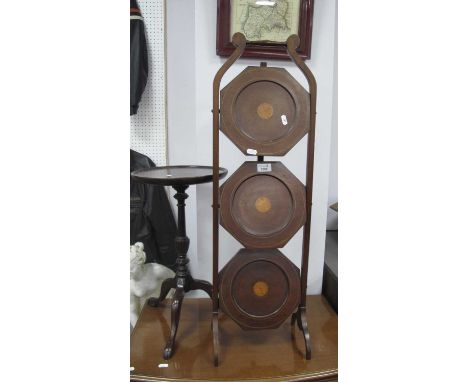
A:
266, 25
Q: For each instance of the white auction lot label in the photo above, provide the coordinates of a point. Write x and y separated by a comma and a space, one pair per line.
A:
264, 167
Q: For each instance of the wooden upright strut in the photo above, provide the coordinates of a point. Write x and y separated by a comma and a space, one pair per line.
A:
239, 42
300, 315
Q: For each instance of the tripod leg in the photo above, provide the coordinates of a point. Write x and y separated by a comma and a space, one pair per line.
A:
202, 285
176, 306
166, 286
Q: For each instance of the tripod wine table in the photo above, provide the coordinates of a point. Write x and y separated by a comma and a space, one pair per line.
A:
179, 178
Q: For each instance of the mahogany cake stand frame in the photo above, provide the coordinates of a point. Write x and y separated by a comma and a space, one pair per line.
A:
299, 316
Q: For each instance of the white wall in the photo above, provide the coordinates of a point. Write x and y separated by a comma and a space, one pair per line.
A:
191, 65
180, 69
148, 126
332, 220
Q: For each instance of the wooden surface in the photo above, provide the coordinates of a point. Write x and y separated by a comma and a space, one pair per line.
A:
176, 175
262, 209
259, 288
265, 109
264, 355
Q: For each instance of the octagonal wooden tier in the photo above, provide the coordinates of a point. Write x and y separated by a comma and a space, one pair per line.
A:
262, 205
260, 288
265, 110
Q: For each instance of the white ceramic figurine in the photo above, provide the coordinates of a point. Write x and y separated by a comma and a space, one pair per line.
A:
145, 280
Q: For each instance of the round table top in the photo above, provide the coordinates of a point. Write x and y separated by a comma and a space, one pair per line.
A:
177, 175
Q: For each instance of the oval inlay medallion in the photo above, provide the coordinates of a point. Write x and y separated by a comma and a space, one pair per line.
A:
263, 204
260, 288
265, 110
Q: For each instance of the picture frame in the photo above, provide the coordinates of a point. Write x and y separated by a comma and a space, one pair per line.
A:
257, 48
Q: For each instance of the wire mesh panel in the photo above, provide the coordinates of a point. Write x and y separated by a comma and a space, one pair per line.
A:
148, 127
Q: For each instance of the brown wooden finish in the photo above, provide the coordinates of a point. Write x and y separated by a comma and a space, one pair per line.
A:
262, 209
179, 177
176, 175
260, 289
274, 355
243, 219
264, 109
238, 40
292, 45
225, 48
182, 282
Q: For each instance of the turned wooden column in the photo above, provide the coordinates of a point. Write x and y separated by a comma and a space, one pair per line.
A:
180, 178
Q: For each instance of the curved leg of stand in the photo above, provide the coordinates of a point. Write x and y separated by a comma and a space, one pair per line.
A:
214, 322
293, 319
299, 320
175, 315
203, 285
302, 322
166, 286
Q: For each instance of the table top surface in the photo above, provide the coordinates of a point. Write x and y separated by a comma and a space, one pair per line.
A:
177, 175
263, 355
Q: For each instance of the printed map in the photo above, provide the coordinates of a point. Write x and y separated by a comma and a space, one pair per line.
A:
261, 20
